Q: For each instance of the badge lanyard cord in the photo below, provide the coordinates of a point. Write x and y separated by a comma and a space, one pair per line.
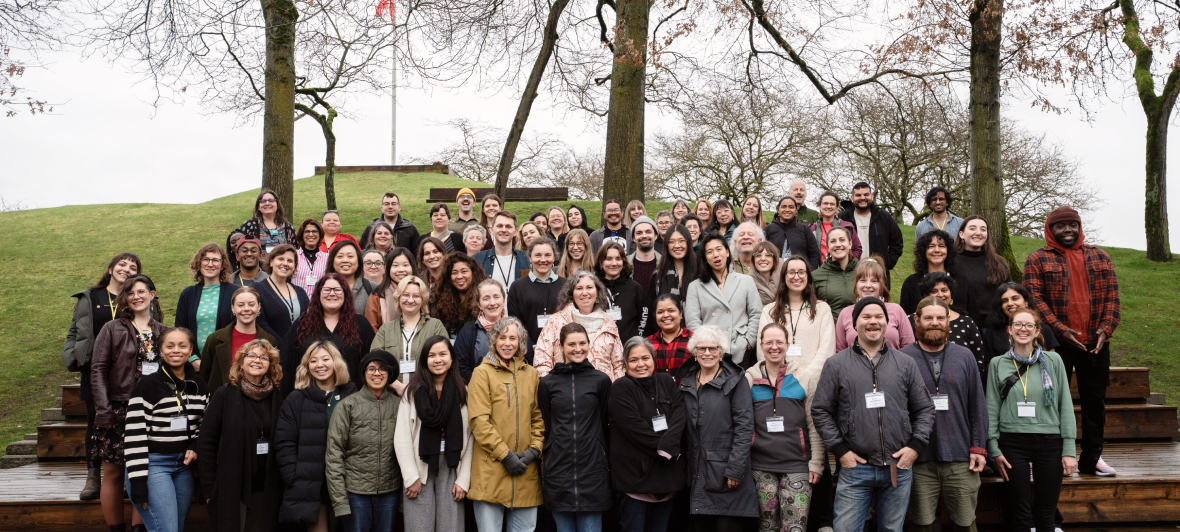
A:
1023, 382
929, 366
176, 394
774, 388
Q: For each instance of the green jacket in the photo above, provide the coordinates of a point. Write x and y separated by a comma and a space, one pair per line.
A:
835, 286
1056, 420
360, 457
389, 338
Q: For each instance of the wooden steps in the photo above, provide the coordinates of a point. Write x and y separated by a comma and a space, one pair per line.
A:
71, 400
1136, 421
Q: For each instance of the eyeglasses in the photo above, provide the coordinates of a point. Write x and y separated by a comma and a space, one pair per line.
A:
257, 356
764, 254
575, 245
208, 260
371, 370
268, 200
796, 273
390, 204
333, 211
412, 297
709, 349
327, 290
1024, 326
311, 231
467, 196
374, 263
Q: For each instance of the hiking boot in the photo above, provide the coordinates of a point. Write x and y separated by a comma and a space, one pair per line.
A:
93, 482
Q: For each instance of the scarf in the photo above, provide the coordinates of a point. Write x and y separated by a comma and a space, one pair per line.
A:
767, 288
1078, 312
256, 392
388, 303
1037, 356
592, 321
439, 413
486, 323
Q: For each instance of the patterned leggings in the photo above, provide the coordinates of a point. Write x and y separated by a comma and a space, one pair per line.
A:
783, 500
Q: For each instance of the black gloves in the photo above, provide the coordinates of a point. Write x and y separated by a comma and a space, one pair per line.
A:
513, 464
528, 456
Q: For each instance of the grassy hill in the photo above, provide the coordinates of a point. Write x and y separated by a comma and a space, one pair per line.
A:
52, 253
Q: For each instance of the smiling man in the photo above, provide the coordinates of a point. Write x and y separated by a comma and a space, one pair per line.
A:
612, 227
939, 201
799, 192
874, 413
1074, 287
877, 230
465, 201
248, 252
502, 262
645, 258
404, 233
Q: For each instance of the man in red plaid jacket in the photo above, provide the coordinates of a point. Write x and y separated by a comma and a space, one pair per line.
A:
1073, 285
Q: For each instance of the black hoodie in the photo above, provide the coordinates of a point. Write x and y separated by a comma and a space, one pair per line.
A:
635, 308
796, 237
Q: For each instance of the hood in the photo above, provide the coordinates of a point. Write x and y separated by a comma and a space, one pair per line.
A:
492, 360
313, 393
1051, 241
570, 367
727, 379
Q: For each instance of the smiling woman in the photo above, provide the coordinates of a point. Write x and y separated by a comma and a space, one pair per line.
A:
218, 354
205, 307
532, 299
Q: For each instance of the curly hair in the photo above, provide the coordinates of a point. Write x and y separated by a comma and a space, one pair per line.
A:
453, 307
500, 326
921, 264
274, 371
194, 264
566, 296
313, 318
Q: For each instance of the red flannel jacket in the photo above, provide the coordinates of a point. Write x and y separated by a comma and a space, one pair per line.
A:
1046, 276
670, 355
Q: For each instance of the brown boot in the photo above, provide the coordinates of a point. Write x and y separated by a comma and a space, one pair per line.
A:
93, 483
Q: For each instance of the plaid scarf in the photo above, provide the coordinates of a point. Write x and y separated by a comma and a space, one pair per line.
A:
1037, 356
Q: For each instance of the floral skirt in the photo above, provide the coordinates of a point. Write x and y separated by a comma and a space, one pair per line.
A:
108, 442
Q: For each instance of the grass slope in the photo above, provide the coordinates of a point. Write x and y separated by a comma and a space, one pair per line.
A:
52, 253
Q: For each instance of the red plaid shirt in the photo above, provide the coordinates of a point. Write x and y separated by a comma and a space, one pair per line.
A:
670, 355
1046, 276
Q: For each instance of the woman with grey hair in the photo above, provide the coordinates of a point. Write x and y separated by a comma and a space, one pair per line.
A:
582, 300
720, 428
724, 298
473, 239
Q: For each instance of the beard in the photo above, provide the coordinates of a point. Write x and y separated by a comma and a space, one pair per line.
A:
934, 335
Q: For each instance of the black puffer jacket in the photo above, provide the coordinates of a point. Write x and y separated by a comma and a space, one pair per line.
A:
632, 301
796, 237
575, 472
301, 442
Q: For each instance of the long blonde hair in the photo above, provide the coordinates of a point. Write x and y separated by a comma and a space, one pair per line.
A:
563, 269
340, 369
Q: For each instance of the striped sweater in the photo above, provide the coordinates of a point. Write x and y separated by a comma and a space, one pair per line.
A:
150, 411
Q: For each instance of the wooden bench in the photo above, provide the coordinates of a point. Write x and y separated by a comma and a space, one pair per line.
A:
555, 194
436, 168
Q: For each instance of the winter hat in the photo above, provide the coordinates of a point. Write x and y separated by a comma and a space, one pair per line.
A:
864, 302
1064, 213
463, 191
644, 220
384, 358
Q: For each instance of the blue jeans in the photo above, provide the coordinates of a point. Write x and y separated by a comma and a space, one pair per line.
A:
856, 489
638, 516
489, 517
170, 492
578, 521
372, 513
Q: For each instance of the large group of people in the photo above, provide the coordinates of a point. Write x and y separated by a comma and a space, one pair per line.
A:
688, 370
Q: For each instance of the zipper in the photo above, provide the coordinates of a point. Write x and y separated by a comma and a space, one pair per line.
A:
574, 398
515, 389
880, 428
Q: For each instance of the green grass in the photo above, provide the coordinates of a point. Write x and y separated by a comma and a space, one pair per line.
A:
52, 253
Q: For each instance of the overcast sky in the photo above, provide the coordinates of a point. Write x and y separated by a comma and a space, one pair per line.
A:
107, 144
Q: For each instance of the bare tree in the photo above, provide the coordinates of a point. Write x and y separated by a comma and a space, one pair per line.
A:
27, 28
476, 156
735, 144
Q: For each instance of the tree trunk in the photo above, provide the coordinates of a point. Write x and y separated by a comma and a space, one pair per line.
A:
278, 118
325, 121
623, 179
987, 183
1158, 110
530, 94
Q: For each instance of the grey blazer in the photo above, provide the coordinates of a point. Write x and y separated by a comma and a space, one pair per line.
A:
736, 310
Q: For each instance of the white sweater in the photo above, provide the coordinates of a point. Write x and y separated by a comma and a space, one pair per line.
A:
817, 338
405, 443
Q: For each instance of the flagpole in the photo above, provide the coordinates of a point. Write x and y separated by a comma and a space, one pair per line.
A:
393, 132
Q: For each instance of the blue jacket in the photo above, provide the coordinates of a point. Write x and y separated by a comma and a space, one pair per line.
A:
487, 259
471, 344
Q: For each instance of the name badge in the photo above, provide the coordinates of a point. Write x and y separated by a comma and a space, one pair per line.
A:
270, 248
1026, 410
150, 367
178, 423
407, 367
941, 402
262, 447
794, 350
542, 319
442, 446
311, 280
659, 423
615, 313
774, 424
875, 400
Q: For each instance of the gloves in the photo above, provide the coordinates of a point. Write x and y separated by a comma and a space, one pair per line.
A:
513, 464
528, 456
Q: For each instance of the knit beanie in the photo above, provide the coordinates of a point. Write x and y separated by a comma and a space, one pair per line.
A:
1064, 213
463, 191
864, 302
644, 220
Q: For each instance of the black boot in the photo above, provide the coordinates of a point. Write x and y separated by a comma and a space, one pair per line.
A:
139, 528
93, 482
121, 527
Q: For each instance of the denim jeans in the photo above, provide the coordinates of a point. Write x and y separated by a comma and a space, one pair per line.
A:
489, 516
372, 513
578, 521
639, 516
170, 492
856, 489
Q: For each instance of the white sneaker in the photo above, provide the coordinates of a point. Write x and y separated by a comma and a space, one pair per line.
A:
1104, 470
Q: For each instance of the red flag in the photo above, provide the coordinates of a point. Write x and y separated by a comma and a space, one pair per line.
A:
383, 5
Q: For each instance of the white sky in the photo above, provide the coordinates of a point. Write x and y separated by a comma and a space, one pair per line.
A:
107, 144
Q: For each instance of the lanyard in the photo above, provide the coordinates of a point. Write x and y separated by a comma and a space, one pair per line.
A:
774, 387
111, 302
176, 394
794, 324
406, 340
1023, 382
929, 366
944, 222
286, 302
548, 292
508, 272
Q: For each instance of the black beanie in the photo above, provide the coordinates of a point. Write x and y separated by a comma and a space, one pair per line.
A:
384, 358
864, 302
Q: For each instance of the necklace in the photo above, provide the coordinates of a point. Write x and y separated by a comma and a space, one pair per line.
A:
286, 301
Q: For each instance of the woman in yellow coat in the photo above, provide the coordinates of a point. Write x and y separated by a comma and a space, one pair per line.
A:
509, 433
